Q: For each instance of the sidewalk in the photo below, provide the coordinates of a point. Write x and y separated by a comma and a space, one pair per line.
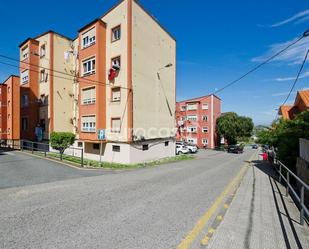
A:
260, 216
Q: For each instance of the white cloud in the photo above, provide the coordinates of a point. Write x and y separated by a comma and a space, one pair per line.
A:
293, 56
281, 94
297, 18
302, 76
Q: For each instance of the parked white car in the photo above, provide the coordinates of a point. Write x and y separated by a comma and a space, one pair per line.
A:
181, 149
191, 147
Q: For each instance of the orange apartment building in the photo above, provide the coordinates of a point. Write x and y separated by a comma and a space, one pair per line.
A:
10, 110
301, 104
118, 75
196, 120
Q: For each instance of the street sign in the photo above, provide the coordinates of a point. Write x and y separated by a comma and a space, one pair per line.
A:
101, 134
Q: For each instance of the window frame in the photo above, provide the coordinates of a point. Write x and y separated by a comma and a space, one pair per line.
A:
205, 129
203, 118
88, 129
91, 101
112, 92
112, 129
113, 39
89, 42
42, 48
88, 72
22, 78
26, 55
22, 124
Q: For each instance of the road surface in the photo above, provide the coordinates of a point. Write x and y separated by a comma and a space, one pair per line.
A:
146, 208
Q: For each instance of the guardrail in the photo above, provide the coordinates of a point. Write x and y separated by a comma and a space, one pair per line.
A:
304, 187
45, 148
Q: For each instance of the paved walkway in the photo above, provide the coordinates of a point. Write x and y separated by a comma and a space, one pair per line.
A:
260, 216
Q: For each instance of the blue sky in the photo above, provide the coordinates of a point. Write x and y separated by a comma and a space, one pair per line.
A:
217, 41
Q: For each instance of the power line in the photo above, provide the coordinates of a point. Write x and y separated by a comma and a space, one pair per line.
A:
305, 34
56, 71
295, 81
297, 77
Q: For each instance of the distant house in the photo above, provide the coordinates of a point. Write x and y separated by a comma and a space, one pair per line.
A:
301, 104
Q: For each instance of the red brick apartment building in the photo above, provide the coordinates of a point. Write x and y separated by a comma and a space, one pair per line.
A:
196, 120
104, 79
10, 109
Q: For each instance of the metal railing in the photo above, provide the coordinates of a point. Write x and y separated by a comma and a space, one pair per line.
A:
45, 149
280, 167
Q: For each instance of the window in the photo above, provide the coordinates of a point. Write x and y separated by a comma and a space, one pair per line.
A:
116, 63
192, 140
24, 100
192, 118
116, 94
205, 106
116, 123
116, 148
205, 118
183, 118
25, 53
192, 129
89, 66
205, 129
42, 75
42, 51
166, 143
96, 146
183, 108
80, 144
24, 77
145, 147
88, 38
88, 123
89, 95
9, 102
205, 141
191, 107
9, 89
24, 124
116, 33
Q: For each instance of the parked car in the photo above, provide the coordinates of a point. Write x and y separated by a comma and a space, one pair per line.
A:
237, 149
254, 146
181, 149
191, 147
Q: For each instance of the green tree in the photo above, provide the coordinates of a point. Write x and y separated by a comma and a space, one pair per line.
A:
231, 127
61, 141
285, 135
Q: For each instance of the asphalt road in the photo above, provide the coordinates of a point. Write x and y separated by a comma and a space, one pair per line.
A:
146, 208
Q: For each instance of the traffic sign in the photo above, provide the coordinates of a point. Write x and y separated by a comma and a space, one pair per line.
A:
101, 134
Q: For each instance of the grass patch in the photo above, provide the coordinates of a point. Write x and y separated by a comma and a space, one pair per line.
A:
107, 165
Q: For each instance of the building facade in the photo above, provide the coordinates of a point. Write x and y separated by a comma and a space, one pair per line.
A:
117, 76
301, 104
10, 109
196, 120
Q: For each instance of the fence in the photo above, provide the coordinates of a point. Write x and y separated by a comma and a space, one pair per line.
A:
45, 149
300, 198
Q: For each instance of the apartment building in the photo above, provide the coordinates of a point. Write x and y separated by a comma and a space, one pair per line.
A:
117, 76
196, 120
301, 104
46, 85
10, 109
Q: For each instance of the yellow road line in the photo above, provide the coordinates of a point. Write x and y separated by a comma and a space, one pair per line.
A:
201, 223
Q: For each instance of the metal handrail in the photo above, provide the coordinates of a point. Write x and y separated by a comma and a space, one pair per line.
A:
300, 199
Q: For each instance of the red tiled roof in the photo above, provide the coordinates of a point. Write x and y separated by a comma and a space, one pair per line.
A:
284, 111
304, 95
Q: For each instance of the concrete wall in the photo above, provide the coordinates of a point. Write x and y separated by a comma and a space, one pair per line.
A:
63, 88
129, 153
304, 149
118, 16
153, 49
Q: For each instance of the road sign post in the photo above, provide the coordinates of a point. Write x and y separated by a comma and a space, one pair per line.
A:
101, 137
